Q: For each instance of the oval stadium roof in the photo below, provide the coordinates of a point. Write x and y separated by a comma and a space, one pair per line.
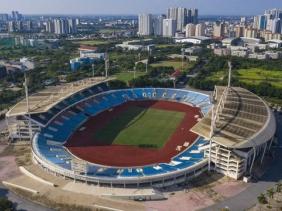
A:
45, 99
243, 120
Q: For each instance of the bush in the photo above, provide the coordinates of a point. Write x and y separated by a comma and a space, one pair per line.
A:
6, 205
117, 84
262, 199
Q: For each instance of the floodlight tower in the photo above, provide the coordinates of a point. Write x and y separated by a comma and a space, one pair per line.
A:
93, 70
27, 104
182, 55
107, 64
229, 73
216, 110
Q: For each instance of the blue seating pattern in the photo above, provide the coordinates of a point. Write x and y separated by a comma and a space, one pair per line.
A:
49, 142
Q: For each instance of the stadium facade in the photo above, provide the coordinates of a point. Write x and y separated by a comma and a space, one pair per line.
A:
236, 129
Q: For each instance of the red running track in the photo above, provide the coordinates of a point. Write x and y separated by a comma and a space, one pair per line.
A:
83, 145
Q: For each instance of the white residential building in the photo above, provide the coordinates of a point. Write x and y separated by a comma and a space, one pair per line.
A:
200, 29
190, 30
145, 24
169, 27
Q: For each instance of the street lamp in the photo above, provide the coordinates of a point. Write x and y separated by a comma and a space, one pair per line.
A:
182, 53
93, 70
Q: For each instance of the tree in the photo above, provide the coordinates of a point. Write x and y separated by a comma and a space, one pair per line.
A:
270, 193
6, 205
117, 84
278, 187
262, 199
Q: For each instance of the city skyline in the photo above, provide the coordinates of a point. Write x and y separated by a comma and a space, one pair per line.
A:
113, 7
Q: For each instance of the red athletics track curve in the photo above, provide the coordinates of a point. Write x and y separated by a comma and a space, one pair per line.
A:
82, 144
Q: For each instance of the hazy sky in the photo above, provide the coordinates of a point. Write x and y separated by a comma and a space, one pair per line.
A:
206, 7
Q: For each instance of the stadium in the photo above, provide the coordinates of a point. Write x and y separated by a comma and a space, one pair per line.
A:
141, 137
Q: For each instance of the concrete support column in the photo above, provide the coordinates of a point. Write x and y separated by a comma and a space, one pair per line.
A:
209, 168
265, 146
254, 157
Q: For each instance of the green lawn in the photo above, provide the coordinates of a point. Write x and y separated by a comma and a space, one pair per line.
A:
165, 45
252, 76
143, 127
109, 30
217, 76
92, 42
171, 63
256, 75
127, 76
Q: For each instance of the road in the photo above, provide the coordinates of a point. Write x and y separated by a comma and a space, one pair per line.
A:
20, 203
248, 198
3, 125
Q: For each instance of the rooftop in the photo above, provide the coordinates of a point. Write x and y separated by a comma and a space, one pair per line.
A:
242, 119
45, 99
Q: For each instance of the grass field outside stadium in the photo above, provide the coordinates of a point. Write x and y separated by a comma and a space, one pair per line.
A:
141, 127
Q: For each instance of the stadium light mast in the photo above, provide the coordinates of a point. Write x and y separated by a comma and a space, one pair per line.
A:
182, 55
147, 65
229, 73
107, 64
93, 70
27, 104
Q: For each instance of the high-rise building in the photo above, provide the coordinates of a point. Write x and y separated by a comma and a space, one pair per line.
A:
262, 21
145, 24
60, 26
181, 20
189, 16
77, 21
183, 16
195, 16
71, 26
274, 25
273, 13
19, 26
190, 30
16, 16
256, 22
218, 29
200, 29
243, 20
4, 17
29, 25
172, 13
169, 27
239, 31
50, 27
158, 25
11, 26
250, 32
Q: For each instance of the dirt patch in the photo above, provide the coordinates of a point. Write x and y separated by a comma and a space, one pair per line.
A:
181, 201
231, 188
10, 158
8, 168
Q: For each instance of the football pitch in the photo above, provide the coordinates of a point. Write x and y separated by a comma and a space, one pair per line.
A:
142, 127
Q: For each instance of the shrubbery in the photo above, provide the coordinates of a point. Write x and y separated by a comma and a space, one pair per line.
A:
6, 205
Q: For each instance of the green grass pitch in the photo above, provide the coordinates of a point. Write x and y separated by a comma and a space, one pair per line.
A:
143, 127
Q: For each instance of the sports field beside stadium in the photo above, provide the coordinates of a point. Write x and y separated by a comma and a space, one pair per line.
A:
142, 127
